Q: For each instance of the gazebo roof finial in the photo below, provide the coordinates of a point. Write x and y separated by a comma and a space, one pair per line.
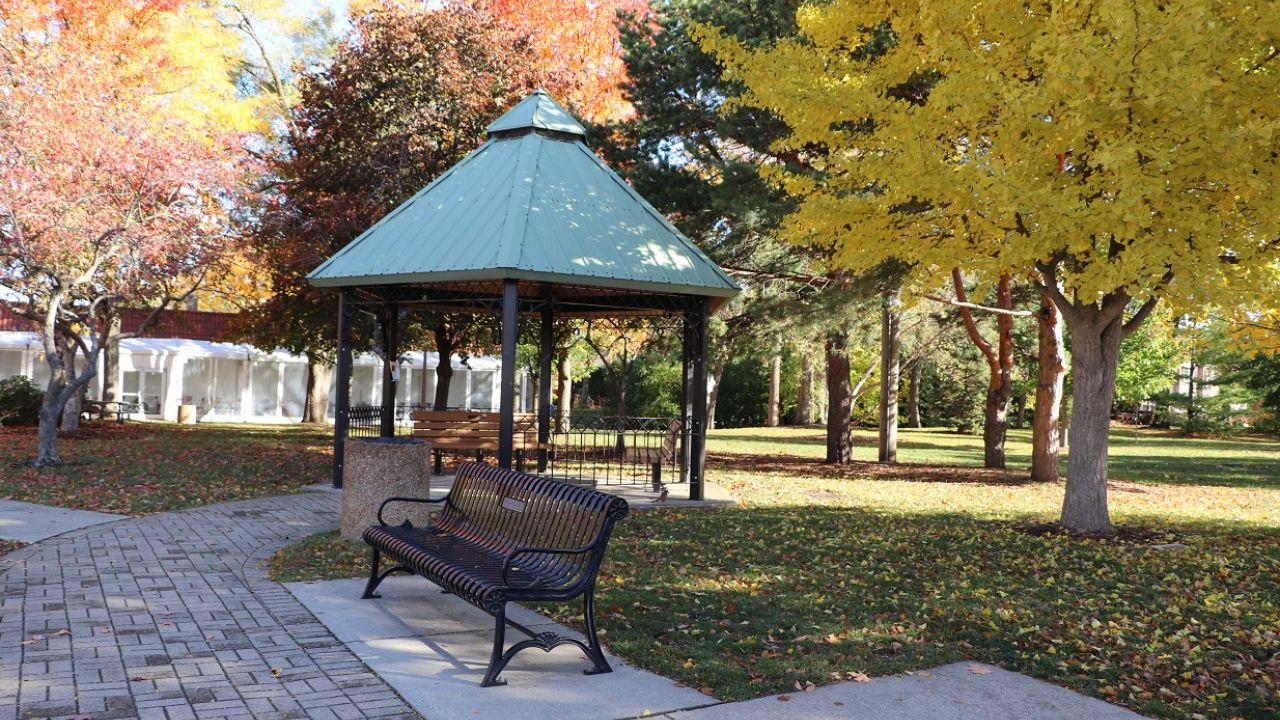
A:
537, 112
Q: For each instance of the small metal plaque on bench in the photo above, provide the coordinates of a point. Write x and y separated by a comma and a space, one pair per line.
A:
512, 504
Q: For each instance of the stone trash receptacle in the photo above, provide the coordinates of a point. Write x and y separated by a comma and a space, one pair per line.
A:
375, 469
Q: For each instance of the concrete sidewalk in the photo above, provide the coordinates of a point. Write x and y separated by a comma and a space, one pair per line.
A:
959, 691
29, 522
433, 649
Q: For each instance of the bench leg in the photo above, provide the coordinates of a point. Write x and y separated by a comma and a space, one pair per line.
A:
497, 660
374, 578
594, 653
439, 462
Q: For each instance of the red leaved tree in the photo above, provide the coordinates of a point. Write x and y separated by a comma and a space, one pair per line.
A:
578, 43
107, 201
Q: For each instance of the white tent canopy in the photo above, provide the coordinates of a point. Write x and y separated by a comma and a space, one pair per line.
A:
239, 383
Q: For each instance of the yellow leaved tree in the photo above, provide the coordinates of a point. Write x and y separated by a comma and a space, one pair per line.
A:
1115, 155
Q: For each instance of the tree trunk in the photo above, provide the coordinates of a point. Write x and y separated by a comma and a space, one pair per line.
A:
839, 400
995, 426
804, 412
622, 387
318, 377
913, 394
70, 420
775, 385
1095, 351
47, 432
890, 374
717, 372
563, 389
55, 397
1191, 394
1051, 370
444, 367
1064, 421
111, 362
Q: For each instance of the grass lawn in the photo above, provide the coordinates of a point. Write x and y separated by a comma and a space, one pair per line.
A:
823, 572
138, 468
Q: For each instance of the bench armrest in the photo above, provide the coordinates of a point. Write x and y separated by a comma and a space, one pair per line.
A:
408, 500
511, 556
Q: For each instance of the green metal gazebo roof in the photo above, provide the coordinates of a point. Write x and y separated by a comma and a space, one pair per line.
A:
531, 203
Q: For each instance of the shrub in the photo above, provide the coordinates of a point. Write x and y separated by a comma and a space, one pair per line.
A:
19, 401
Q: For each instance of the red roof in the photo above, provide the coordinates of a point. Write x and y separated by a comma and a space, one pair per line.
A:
185, 324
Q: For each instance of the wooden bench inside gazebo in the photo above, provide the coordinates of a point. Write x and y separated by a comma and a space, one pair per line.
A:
531, 226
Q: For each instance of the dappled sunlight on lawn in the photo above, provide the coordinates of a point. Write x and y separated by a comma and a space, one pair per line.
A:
1161, 477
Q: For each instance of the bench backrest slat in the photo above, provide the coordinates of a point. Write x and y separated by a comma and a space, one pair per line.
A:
502, 510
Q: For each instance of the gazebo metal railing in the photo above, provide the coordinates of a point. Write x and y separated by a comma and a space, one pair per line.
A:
593, 450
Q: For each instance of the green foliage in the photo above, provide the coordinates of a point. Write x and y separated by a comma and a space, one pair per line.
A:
691, 161
653, 387
19, 401
744, 393
1261, 373
1149, 360
953, 390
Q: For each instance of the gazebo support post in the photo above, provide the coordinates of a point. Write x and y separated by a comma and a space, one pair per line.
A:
507, 408
686, 394
545, 351
390, 351
341, 414
697, 328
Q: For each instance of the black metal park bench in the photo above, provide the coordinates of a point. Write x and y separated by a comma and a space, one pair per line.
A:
504, 536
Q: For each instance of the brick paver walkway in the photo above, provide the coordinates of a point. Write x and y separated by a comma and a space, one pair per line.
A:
171, 616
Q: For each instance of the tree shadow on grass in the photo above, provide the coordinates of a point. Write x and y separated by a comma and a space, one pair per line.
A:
783, 464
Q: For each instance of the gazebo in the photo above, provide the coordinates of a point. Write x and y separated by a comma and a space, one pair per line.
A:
531, 224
